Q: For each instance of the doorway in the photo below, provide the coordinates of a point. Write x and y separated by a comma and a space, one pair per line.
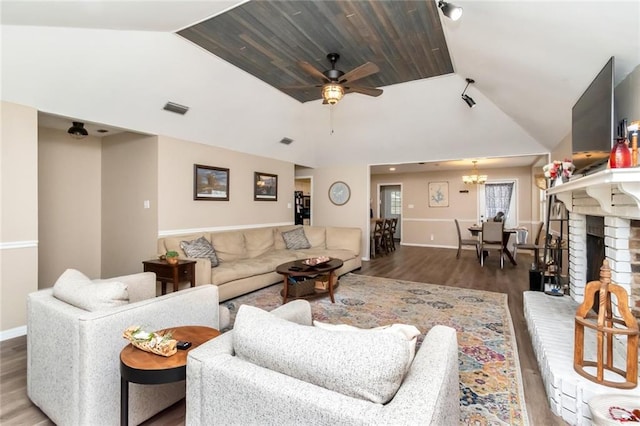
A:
303, 206
391, 206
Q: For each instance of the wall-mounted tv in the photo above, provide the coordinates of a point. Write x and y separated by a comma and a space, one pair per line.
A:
592, 122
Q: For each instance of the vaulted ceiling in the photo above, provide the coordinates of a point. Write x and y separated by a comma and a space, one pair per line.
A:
116, 63
268, 39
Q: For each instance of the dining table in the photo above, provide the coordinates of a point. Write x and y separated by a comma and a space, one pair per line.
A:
476, 230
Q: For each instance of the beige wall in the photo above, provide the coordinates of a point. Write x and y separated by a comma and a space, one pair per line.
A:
19, 214
69, 214
129, 178
355, 213
178, 211
434, 226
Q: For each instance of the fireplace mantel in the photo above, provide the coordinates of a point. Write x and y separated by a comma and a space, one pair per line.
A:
610, 192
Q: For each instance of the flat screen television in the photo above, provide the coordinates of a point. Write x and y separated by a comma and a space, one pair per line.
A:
592, 122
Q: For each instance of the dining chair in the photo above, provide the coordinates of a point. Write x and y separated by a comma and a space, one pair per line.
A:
376, 237
492, 238
535, 247
392, 232
387, 236
465, 241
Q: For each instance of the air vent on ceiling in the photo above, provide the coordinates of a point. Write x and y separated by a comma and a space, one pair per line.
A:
178, 109
286, 141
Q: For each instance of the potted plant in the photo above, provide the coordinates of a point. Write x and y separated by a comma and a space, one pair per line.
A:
171, 257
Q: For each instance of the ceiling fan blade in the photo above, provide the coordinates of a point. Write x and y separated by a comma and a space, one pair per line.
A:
312, 71
362, 71
303, 87
370, 91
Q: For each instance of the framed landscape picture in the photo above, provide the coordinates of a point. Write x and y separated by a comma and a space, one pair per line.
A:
265, 187
210, 183
438, 194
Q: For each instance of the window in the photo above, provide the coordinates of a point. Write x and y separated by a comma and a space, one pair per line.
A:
395, 202
499, 196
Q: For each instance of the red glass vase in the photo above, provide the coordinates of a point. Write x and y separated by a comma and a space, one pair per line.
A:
620, 154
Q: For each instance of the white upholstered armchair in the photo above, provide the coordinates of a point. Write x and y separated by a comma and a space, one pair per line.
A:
226, 385
73, 355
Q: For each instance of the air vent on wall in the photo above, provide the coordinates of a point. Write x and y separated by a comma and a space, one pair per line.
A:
178, 109
286, 141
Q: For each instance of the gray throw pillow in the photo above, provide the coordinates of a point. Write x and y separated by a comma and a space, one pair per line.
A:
200, 248
296, 239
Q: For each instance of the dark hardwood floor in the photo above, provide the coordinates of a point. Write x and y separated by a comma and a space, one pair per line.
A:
435, 266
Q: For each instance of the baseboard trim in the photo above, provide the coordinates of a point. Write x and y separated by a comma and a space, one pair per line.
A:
13, 333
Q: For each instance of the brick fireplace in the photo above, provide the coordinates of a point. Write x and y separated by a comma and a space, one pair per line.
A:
611, 200
619, 204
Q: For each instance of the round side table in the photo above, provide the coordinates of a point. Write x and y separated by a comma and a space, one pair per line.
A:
138, 366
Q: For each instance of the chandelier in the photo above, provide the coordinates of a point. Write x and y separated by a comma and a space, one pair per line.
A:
332, 93
474, 178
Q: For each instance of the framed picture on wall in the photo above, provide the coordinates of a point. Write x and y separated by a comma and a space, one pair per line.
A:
210, 183
438, 194
265, 187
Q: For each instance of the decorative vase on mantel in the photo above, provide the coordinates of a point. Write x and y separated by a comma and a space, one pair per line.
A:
620, 156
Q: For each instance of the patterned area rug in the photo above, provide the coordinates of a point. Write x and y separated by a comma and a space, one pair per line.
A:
490, 382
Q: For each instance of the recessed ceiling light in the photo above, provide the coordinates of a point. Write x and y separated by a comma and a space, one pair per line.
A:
392, 169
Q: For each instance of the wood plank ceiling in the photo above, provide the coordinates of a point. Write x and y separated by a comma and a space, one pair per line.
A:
267, 39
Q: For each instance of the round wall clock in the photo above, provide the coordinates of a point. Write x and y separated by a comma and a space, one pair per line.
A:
339, 193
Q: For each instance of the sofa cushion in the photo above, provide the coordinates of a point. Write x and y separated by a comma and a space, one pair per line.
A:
229, 245
200, 248
361, 364
258, 241
75, 288
296, 239
316, 236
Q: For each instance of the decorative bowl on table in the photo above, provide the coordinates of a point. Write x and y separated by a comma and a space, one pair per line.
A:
316, 261
615, 409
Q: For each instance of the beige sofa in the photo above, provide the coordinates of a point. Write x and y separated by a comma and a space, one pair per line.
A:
248, 257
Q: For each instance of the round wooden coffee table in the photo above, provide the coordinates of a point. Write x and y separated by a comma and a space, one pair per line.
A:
138, 366
297, 268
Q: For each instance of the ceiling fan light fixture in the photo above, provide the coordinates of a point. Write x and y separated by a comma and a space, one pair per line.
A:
449, 10
77, 131
332, 93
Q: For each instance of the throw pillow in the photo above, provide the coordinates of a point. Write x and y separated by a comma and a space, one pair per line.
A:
405, 331
200, 248
362, 364
296, 239
75, 288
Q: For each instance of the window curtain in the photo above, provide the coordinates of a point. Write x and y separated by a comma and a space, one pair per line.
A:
498, 198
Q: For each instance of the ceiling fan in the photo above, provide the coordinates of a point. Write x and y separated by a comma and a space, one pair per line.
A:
335, 83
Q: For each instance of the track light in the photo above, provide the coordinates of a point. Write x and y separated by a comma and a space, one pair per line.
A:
77, 131
451, 11
468, 99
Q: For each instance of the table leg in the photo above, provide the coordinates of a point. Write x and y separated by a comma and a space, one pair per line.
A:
285, 288
510, 256
331, 275
124, 402
176, 278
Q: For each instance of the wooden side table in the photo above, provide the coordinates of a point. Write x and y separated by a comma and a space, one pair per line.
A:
184, 270
138, 366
